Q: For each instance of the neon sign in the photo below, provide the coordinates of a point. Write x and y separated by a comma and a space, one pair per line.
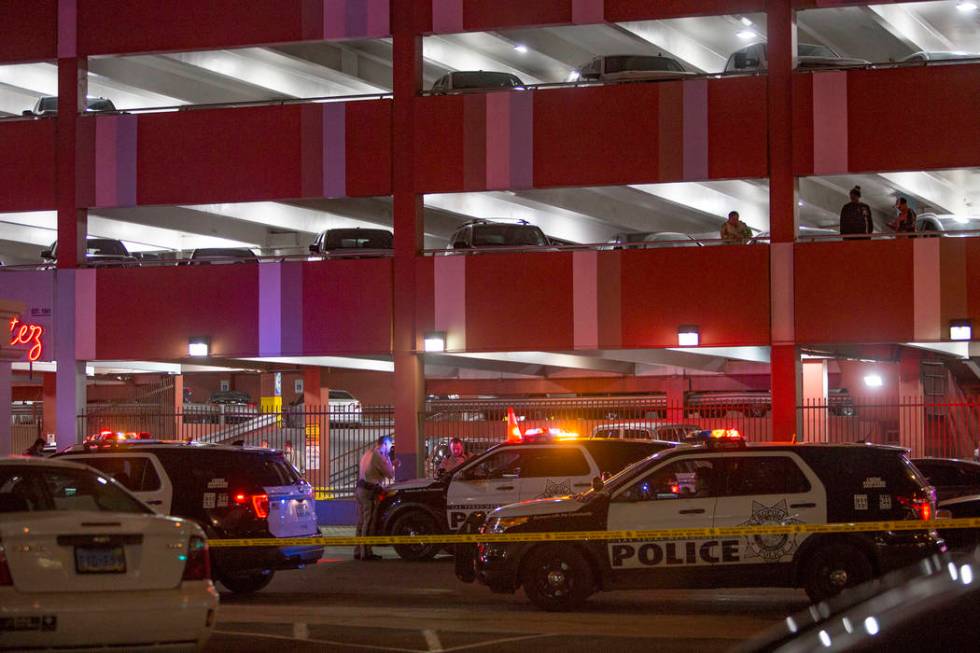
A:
22, 333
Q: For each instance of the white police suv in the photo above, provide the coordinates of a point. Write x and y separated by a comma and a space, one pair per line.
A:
721, 483
535, 468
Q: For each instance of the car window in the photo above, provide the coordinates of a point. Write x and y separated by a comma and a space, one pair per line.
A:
939, 474
484, 79
48, 104
502, 464
764, 475
612, 459
623, 63
636, 434
340, 394
135, 474
606, 433
77, 489
512, 235
690, 478
106, 247
19, 491
811, 50
554, 461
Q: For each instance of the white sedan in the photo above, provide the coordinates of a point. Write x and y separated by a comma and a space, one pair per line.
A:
85, 564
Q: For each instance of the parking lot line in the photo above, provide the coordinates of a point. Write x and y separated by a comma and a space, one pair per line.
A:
366, 647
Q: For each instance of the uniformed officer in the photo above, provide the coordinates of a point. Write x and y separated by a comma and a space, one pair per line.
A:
375, 468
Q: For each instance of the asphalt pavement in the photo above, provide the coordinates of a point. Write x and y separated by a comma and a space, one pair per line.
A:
341, 604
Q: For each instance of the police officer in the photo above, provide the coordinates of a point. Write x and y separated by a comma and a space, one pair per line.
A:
855, 216
375, 468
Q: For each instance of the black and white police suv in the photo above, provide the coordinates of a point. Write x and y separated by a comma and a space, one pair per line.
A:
504, 474
720, 483
231, 492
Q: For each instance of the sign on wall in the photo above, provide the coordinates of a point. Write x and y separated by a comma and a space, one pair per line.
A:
29, 334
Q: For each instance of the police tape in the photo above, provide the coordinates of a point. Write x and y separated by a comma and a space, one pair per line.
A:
598, 536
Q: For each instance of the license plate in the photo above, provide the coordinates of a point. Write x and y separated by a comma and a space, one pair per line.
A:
100, 560
302, 510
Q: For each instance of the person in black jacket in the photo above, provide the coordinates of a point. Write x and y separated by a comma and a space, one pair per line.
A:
855, 216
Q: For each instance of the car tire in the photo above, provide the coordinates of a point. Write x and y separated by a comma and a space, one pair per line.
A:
416, 522
834, 567
557, 577
246, 583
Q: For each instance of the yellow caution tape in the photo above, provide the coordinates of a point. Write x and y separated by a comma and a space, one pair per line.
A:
596, 536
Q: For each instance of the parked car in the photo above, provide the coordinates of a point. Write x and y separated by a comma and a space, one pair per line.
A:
230, 491
48, 106
344, 408
477, 234
222, 255
353, 242
84, 564
643, 240
98, 252
809, 56
940, 56
957, 484
947, 224
231, 397
632, 68
756, 403
931, 606
474, 80
645, 431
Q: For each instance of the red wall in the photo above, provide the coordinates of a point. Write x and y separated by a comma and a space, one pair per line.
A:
151, 313
29, 30
854, 291
27, 168
347, 307
914, 118
727, 298
972, 285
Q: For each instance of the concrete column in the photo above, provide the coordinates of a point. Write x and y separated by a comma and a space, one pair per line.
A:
674, 388
786, 383
72, 92
70, 390
815, 393
6, 397
911, 412
408, 222
50, 415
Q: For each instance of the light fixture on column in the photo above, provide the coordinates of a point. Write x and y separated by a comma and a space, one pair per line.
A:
688, 335
960, 330
198, 346
435, 341
873, 380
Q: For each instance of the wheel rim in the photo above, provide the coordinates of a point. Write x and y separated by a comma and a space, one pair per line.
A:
837, 578
411, 529
555, 579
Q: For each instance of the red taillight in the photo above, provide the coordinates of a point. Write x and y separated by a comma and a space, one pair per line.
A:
921, 508
260, 503
198, 565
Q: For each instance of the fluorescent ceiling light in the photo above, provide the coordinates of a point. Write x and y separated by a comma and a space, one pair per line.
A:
745, 21
746, 35
966, 7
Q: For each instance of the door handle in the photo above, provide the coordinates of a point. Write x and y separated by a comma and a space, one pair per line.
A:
803, 505
692, 511
504, 487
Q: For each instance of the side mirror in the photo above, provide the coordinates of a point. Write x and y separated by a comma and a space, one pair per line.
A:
598, 483
46, 253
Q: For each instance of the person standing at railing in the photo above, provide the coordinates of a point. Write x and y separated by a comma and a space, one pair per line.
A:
855, 216
294, 456
734, 231
904, 222
375, 467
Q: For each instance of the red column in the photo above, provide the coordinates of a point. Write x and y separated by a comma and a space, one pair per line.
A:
72, 91
785, 362
675, 387
409, 367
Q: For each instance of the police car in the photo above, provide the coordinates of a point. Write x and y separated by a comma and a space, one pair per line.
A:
230, 491
721, 483
542, 463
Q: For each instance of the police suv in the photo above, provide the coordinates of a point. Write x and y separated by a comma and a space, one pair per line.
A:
721, 483
230, 491
537, 467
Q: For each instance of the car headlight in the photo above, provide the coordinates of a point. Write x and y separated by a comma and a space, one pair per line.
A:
503, 524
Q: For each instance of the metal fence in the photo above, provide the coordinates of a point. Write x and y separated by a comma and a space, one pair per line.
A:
324, 443
941, 429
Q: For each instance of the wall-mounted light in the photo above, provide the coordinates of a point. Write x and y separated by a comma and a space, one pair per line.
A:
434, 341
198, 346
873, 381
960, 330
688, 335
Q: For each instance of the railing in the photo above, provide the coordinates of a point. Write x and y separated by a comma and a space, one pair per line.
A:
26, 425
324, 443
938, 429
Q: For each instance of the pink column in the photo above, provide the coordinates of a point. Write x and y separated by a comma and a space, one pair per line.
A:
911, 394
815, 389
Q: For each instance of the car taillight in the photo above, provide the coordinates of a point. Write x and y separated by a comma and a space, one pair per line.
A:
5, 578
198, 565
259, 503
919, 507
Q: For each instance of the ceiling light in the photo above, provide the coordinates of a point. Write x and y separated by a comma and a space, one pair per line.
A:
746, 35
960, 330
873, 381
688, 335
745, 21
520, 47
435, 341
965, 6
198, 346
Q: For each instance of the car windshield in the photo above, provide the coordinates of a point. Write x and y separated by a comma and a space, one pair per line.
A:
35, 488
48, 104
624, 476
106, 247
100, 104
810, 50
358, 239
507, 235
223, 252
483, 79
623, 63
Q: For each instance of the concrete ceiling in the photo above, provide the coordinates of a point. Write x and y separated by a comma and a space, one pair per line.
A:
541, 55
